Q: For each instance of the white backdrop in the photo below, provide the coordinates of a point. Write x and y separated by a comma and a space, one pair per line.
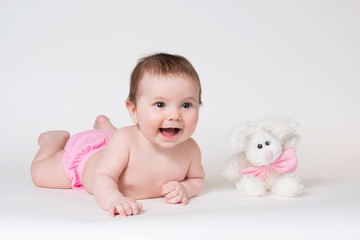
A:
64, 62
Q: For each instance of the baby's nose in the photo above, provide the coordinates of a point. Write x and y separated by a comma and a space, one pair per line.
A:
174, 116
268, 155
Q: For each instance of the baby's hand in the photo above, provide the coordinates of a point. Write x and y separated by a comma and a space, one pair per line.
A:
174, 192
124, 206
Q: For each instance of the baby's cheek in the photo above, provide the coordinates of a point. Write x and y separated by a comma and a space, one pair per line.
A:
191, 125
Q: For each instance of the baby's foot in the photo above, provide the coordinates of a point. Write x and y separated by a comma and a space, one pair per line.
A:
46, 136
103, 122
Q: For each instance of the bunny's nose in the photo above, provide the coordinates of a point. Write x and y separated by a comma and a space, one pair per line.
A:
268, 155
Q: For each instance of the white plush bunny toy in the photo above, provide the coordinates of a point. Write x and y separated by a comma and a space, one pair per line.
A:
263, 158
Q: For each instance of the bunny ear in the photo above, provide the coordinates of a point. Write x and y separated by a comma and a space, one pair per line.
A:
280, 128
291, 141
239, 136
284, 130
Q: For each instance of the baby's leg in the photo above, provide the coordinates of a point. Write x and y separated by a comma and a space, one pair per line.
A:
103, 122
47, 169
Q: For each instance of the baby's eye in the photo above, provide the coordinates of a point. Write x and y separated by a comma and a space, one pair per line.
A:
259, 146
160, 104
186, 105
267, 143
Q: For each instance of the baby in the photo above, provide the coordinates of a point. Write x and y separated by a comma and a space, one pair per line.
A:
155, 157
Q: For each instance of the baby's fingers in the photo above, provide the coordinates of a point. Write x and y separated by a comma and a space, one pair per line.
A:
172, 194
140, 207
127, 209
135, 208
112, 212
121, 210
167, 189
117, 209
176, 199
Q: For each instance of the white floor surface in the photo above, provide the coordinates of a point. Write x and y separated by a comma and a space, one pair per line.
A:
329, 209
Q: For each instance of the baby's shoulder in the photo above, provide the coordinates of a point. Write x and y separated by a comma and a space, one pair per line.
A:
124, 133
192, 142
192, 147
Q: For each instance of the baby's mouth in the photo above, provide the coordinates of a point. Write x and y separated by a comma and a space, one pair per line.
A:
169, 131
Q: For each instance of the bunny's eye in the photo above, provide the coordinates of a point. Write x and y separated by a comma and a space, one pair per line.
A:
260, 146
267, 143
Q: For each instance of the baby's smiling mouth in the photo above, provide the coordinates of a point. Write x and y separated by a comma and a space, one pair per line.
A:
169, 131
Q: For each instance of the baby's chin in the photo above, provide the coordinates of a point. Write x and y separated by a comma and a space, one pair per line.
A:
170, 137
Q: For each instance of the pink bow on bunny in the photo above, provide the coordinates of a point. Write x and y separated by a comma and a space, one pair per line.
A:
285, 163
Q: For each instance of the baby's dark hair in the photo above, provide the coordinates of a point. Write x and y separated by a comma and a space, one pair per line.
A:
162, 64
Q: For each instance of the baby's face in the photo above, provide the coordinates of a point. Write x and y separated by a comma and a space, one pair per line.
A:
167, 109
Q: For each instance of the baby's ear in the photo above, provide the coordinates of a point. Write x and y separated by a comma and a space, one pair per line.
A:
132, 110
238, 138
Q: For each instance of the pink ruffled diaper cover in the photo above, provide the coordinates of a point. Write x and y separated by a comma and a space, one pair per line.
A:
79, 149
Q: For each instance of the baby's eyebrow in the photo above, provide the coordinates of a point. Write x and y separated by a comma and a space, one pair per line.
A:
190, 99
185, 99
158, 98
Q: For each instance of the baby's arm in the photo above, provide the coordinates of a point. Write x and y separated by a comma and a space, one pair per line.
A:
113, 161
180, 192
